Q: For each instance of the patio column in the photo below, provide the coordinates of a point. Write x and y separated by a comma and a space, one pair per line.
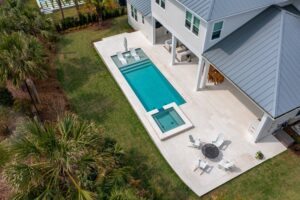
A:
200, 72
153, 31
173, 50
263, 128
204, 75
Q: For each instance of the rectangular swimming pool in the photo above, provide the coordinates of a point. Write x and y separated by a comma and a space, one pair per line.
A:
159, 98
150, 86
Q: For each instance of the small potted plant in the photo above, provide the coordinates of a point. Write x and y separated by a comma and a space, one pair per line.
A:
259, 155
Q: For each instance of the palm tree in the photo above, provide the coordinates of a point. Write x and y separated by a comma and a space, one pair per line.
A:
21, 58
64, 160
61, 9
4, 155
101, 5
14, 18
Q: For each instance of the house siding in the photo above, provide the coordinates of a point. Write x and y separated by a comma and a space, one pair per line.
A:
145, 28
173, 19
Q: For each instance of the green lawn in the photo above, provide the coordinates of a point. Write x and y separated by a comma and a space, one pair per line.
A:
94, 95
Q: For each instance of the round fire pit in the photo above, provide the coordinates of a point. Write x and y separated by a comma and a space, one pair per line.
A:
210, 151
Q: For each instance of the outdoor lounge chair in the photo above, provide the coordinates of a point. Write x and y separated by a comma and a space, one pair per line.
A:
219, 141
202, 165
135, 55
121, 58
225, 164
195, 143
183, 56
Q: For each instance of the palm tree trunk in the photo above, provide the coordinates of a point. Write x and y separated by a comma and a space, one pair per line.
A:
77, 7
61, 9
32, 99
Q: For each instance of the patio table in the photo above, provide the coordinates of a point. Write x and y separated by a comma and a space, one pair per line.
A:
210, 151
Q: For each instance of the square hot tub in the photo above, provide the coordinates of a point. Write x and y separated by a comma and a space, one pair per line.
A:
168, 121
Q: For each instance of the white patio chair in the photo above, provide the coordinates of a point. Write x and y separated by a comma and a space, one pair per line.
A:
135, 55
202, 165
225, 164
182, 56
195, 143
219, 141
168, 44
121, 58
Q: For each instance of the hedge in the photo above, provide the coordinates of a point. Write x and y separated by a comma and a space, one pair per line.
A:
88, 18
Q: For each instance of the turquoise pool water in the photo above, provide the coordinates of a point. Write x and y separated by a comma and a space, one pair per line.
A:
150, 86
168, 119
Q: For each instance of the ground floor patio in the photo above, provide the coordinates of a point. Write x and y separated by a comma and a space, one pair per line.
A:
217, 109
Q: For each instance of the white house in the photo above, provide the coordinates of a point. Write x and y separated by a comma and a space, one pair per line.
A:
254, 44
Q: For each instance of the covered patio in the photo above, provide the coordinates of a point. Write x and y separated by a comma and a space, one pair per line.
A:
214, 110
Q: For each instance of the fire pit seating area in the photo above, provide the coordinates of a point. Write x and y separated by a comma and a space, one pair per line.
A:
211, 153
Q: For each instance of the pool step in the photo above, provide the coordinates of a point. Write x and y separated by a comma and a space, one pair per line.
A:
135, 66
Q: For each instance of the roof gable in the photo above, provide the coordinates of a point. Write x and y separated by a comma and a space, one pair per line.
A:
262, 59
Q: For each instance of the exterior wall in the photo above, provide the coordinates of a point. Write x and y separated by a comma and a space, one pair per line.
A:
230, 24
289, 118
145, 28
173, 19
296, 3
268, 126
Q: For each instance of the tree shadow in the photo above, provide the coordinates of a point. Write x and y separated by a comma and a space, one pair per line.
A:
75, 72
152, 179
92, 106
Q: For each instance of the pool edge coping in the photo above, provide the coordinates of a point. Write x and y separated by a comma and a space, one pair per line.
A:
173, 132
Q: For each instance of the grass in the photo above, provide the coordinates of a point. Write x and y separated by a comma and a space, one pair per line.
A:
94, 95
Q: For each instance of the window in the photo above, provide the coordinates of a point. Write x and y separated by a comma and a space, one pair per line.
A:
196, 24
192, 22
134, 13
188, 19
143, 19
217, 30
161, 3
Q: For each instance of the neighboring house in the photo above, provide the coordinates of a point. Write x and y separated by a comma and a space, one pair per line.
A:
253, 44
49, 6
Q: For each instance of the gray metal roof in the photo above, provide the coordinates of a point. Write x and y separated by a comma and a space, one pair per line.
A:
143, 6
216, 9
262, 58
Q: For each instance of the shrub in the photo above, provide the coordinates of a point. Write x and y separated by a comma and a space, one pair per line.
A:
83, 19
259, 155
6, 99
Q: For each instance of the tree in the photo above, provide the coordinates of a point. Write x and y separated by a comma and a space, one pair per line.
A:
15, 18
69, 159
76, 2
21, 58
101, 5
59, 3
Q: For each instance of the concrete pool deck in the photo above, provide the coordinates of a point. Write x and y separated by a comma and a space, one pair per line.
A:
218, 109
